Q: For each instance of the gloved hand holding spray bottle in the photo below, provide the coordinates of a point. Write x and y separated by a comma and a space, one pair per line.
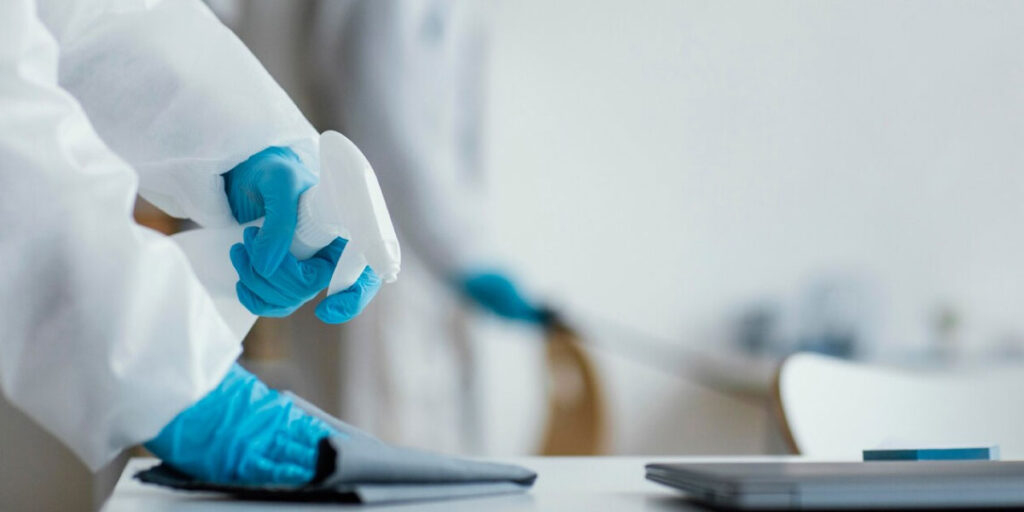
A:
242, 431
347, 203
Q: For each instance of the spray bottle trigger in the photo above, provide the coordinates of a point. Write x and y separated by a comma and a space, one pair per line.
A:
350, 267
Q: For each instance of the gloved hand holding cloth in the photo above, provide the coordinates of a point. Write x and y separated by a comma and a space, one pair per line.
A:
243, 433
252, 442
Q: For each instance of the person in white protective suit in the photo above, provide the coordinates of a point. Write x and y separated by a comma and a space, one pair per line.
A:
108, 338
405, 79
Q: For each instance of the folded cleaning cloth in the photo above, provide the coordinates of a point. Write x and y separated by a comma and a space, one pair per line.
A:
354, 466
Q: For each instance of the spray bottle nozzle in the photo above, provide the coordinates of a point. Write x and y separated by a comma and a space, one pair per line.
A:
348, 203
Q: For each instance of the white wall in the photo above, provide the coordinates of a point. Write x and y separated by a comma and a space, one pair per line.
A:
659, 163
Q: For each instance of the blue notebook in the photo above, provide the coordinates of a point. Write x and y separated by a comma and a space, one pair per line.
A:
974, 453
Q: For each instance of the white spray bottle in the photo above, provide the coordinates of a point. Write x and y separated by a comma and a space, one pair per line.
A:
347, 202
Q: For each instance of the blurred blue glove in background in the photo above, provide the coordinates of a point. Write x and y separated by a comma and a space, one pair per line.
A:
269, 184
243, 432
295, 282
498, 294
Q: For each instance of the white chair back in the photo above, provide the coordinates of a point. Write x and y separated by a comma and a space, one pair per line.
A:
832, 409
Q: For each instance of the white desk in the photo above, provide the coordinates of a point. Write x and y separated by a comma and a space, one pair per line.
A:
564, 484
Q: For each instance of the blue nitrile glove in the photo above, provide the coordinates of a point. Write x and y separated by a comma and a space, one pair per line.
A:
244, 433
346, 304
498, 294
269, 184
297, 281
272, 282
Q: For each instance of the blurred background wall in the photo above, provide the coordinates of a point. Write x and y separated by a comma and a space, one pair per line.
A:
668, 171
666, 164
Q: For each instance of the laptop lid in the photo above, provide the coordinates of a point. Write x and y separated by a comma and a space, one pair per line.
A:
848, 485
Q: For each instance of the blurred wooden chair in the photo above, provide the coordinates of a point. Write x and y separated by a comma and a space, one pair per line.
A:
152, 217
577, 423
834, 409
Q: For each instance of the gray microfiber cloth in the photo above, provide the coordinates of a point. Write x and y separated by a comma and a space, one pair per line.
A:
354, 466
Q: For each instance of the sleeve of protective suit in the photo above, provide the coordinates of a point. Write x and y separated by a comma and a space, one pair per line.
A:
172, 91
107, 334
403, 78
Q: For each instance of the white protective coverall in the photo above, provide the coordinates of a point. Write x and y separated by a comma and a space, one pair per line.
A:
106, 332
406, 80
